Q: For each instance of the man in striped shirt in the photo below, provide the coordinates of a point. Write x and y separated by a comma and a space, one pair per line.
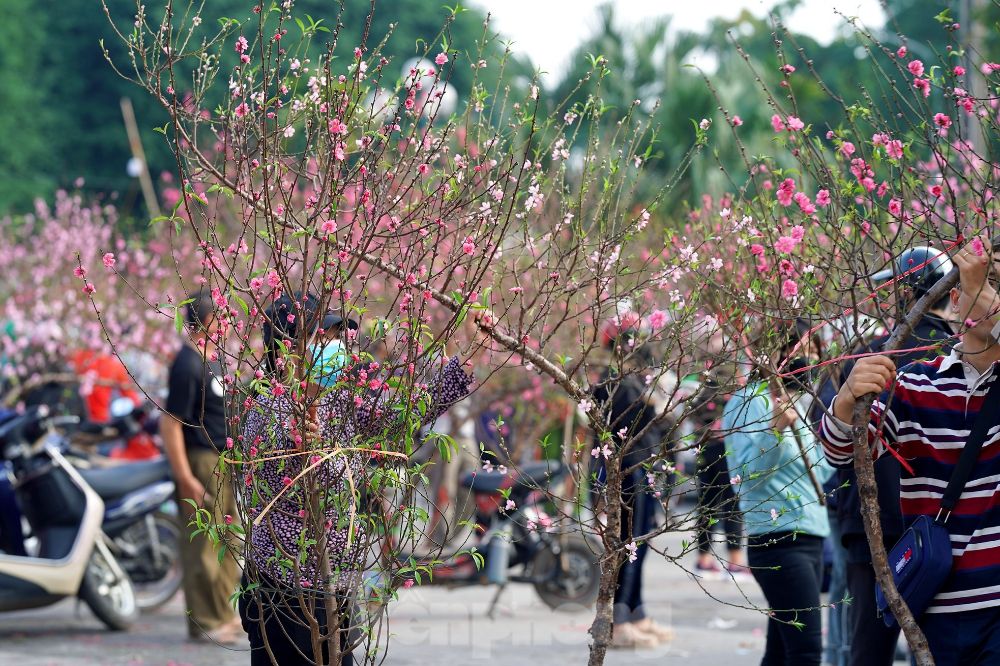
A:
926, 412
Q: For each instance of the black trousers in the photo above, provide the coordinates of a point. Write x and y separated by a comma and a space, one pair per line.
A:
789, 570
275, 612
872, 643
716, 499
638, 517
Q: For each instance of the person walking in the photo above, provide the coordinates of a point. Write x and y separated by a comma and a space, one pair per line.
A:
717, 504
627, 401
926, 412
775, 460
193, 428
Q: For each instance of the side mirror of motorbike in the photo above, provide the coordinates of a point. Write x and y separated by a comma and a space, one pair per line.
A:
121, 407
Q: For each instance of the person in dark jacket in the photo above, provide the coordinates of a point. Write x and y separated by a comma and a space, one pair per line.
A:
871, 642
627, 403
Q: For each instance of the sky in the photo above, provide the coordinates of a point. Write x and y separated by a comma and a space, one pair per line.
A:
548, 30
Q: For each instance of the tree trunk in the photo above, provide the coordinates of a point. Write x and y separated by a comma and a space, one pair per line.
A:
603, 625
868, 490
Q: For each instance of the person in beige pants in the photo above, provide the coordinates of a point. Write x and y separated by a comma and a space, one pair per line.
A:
194, 431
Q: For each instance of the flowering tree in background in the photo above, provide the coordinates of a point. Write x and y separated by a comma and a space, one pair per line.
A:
64, 261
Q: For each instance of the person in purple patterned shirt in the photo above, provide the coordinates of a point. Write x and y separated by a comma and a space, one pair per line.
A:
307, 535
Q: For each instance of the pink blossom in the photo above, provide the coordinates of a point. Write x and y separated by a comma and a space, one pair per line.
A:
901, 52
787, 69
823, 198
89, 289
242, 110
736, 121
80, 272
109, 260
468, 246
658, 319
241, 44
847, 148
936, 191
328, 227
794, 124
785, 192
441, 58
424, 169
895, 207
777, 123
756, 249
789, 289
228, 519
802, 199
977, 246
798, 232
273, 279
286, 480
408, 583
337, 127
923, 85
894, 149
916, 68
785, 245
959, 70
942, 121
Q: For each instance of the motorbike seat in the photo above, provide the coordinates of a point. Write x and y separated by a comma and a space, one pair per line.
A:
531, 475
118, 480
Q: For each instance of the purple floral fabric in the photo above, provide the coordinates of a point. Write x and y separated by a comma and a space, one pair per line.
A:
277, 541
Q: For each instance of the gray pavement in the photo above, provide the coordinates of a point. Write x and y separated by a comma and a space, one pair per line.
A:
430, 626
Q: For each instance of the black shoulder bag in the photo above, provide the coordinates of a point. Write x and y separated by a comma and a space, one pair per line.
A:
921, 560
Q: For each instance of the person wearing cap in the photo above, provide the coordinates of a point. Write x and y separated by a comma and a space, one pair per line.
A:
304, 561
194, 432
870, 642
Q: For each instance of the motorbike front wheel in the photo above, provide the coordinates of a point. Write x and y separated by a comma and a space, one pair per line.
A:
570, 580
107, 590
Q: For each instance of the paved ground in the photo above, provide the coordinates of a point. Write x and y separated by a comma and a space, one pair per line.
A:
429, 626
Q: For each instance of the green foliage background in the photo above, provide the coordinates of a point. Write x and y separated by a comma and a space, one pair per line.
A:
61, 118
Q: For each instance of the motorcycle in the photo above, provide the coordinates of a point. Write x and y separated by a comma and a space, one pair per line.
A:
562, 566
65, 553
140, 515
140, 518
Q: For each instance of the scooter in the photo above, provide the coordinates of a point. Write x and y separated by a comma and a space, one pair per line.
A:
140, 518
65, 553
140, 515
562, 566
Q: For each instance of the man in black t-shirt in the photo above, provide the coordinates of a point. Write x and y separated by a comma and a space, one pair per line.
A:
194, 432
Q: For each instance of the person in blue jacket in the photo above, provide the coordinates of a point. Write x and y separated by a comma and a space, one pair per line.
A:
776, 462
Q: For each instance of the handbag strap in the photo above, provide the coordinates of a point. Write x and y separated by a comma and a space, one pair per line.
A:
970, 454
